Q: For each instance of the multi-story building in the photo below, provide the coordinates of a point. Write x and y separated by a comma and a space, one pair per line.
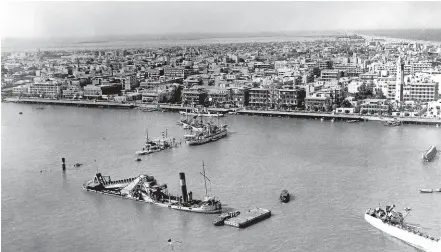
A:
194, 96
130, 82
375, 106
219, 96
291, 98
72, 91
45, 89
317, 103
259, 97
329, 74
174, 72
92, 91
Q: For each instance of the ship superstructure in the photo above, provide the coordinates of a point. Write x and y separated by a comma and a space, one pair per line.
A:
145, 188
392, 223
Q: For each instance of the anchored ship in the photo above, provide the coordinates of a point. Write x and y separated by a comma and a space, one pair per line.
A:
155, 145
430, 154
200, 112
392, 223
146, 189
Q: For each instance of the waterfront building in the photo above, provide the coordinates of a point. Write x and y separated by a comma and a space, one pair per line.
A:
92, 91
72, 91
375, 106
318, 103
21, 90
259, 97
291, 98
218, 97
194, 96
45, 89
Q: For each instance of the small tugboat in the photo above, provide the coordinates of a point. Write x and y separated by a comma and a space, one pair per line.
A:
424, 190
284, 196
220, 220
393, 123
430, 154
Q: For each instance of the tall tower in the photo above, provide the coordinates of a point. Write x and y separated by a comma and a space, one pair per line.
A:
400, 81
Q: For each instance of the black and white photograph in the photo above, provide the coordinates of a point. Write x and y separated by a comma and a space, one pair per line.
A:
220, 126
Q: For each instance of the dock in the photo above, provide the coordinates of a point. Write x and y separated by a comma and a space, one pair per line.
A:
249, 218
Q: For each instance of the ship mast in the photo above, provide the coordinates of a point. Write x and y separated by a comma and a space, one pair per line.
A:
205, 178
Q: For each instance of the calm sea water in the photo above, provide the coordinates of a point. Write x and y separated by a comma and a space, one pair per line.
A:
335, 171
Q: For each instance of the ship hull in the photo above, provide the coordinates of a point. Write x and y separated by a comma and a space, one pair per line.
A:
165, 205
199, 115
430, 154
214, 137
408, 237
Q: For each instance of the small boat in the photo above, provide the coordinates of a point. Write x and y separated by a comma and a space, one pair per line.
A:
20, 113
407, 209
430, 154
77, 165
353, 121
322, 119
39, 108
438, 190
284, 196
423, 190
138, 159
333, 119
220, 220
392, 123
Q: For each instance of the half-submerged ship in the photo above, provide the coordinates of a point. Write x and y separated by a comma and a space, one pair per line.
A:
392, 223
430, 154
155, 145
145, 188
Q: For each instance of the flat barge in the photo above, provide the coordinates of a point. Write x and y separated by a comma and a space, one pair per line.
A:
249, 218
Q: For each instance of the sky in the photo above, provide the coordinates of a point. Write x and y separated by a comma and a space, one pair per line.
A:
83, 19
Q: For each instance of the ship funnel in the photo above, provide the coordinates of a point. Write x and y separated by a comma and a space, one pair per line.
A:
183, 186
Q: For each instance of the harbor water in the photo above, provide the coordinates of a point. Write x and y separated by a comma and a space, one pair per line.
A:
334, 171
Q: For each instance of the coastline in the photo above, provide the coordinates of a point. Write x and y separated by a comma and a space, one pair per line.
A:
268, 113
397, 40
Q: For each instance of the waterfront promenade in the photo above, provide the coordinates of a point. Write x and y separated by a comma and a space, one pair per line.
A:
269, 113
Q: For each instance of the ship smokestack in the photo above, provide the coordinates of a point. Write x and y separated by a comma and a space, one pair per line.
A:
183, 186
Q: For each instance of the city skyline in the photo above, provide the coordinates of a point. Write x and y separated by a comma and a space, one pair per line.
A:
88, 19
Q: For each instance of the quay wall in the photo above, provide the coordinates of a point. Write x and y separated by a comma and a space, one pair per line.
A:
291, 114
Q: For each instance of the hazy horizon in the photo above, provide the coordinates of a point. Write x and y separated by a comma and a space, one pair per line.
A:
42, 20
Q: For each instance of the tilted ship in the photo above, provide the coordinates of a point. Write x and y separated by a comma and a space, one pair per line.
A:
146, 189
155, 145
392, 223
430, 154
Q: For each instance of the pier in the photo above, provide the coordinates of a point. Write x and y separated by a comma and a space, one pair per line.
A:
249, 218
